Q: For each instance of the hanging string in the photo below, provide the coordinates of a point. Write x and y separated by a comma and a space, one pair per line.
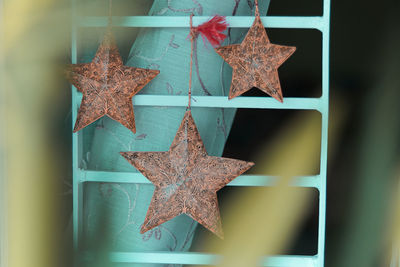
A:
109, 12
257, 12
210, 30
193, 36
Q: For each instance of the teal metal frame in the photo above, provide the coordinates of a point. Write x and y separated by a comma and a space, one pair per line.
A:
321, 104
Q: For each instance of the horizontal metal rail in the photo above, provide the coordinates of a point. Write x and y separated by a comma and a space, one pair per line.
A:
223, 102
316, 22
199, 258
243, 180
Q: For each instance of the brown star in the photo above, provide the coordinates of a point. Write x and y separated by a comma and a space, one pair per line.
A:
186, 179
255, 62
107, 86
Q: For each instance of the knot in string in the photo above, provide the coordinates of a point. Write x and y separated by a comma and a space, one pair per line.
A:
257, 12
193, 30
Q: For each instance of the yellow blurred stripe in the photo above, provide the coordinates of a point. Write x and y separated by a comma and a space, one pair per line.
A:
263, 222
19, 16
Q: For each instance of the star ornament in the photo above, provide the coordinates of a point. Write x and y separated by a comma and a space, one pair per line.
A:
107, 86
255, 62
186, 179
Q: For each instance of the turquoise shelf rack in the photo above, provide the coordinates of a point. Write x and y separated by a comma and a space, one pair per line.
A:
321, 104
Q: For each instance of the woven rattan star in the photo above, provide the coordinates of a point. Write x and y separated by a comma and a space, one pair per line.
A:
107, 86
255, 62
186, 179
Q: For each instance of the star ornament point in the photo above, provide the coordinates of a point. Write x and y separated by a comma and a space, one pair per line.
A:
186, 179
255, 62
107, 86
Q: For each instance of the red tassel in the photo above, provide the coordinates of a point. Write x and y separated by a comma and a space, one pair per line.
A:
212, 30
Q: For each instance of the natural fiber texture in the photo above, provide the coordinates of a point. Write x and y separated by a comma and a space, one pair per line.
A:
186, 179
255, 62
108, 86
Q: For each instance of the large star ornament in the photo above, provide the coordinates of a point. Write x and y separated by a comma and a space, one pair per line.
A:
186, 179
255, 62
107, 86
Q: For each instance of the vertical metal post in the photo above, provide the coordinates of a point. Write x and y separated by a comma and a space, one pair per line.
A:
77, 185
324, 133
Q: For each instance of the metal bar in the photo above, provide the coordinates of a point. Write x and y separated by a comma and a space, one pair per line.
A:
243, 180
290, 261
77, 186
223, 102
183, 21
320, 104
324, 133
195, 258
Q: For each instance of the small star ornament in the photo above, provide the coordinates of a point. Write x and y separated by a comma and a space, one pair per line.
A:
186, 179
255, 62
107, 86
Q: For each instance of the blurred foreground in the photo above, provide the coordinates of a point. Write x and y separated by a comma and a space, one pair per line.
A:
363, 204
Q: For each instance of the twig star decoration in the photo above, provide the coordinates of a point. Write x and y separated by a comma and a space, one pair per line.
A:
255, 61
107, 86
186, 179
